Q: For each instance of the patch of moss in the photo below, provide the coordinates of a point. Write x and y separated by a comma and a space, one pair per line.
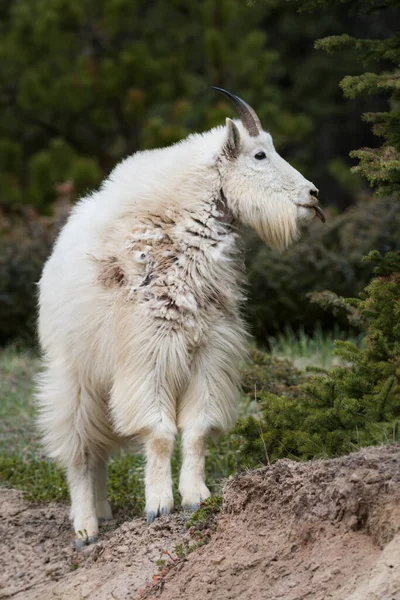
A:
205, 516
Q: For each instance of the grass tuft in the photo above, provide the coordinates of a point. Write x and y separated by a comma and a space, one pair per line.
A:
305, 350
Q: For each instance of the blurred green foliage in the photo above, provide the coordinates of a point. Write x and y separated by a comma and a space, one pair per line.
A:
330, 257
86, 83
356, 404
306, 350
264, 372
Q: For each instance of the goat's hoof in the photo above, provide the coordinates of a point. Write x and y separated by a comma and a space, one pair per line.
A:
152, 514
93, 539
158, 503
193, 493
79, 543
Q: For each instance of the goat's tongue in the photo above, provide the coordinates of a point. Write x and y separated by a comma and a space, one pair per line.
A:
319, 213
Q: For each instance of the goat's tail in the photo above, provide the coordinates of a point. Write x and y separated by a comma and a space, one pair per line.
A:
72, 419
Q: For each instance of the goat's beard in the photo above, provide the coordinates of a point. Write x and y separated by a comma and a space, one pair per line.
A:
275, 222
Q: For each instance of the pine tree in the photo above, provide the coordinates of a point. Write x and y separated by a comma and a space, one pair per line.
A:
381, 166
350, 406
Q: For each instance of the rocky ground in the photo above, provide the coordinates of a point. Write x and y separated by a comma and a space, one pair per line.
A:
292, 531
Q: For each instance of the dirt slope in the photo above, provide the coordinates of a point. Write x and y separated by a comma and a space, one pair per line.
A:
38, 562
292, 531
317, 530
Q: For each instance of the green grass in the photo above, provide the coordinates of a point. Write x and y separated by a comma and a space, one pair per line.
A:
309, 350
204, 516
18, 367
42, 481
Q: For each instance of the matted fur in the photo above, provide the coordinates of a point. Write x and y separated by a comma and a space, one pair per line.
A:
140, 300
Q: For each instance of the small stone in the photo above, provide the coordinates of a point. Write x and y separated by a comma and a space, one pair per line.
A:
218, 560
373, 478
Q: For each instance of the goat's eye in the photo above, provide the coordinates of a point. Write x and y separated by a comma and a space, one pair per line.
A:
260, 155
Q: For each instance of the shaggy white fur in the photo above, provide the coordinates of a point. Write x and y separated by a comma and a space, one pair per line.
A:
140, 310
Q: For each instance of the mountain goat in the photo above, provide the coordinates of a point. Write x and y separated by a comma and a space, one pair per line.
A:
140, 300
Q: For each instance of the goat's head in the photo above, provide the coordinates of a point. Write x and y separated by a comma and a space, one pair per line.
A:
262, 189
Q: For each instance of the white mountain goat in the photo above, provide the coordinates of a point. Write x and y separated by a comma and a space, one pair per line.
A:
140, 300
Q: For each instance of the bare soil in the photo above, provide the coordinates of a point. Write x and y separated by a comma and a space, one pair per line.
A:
327, 529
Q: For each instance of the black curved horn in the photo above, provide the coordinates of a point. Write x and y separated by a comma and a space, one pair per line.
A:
247, 115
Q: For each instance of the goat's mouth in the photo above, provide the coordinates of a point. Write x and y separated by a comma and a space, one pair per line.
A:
318, 211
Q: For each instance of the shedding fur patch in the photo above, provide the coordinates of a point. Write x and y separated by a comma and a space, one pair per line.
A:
181, 269
111, 273
188, 262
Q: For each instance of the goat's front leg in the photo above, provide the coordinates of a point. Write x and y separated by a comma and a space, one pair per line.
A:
208, 405
192, 486
159, 446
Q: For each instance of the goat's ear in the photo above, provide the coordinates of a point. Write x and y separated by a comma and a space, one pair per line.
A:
232, 144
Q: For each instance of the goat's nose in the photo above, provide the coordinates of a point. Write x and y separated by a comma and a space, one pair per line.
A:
314, 192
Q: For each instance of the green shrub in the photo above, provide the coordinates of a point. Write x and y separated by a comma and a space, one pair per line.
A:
40, 480
263, 372
347, 407
380, 54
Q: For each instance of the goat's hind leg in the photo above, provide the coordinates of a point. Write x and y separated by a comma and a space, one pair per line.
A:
87, 481
65, 435
77, 434
81, 481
